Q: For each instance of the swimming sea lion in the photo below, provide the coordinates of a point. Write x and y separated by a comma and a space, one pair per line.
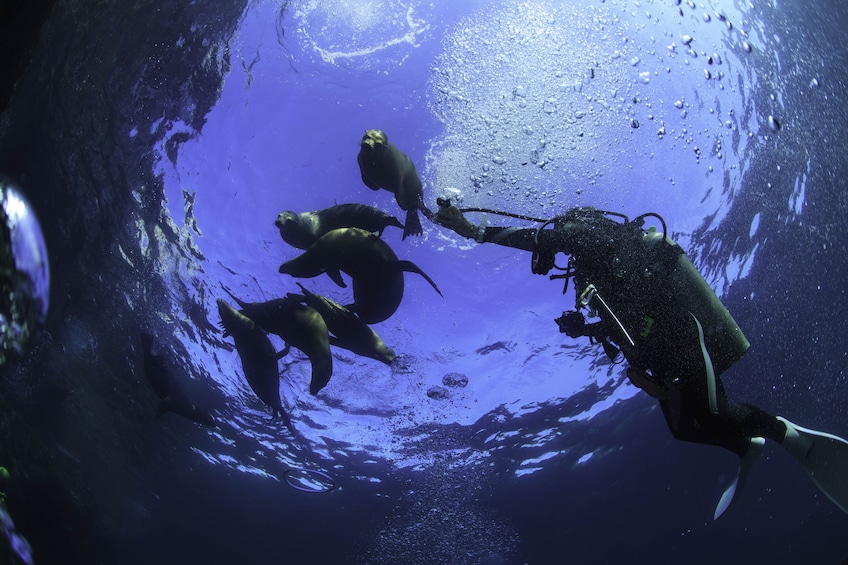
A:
162, 378
383, 165
375, 269
299, 326
349, 332
258, 358
302, 230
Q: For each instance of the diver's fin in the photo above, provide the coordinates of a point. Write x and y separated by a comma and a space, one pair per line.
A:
823, 456
745, 464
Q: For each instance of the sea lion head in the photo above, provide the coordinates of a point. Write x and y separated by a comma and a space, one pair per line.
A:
232, 320
285, 220
295, 229
374, 139
384, 353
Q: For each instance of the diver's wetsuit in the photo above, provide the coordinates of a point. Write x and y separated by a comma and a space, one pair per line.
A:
637, 284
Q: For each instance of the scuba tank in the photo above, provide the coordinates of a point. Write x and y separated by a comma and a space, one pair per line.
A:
644, 288
722, 336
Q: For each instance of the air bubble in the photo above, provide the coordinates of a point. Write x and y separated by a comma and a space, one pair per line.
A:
455, 380
437, 392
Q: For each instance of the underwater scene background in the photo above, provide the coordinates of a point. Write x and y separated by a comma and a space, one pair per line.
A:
157, 142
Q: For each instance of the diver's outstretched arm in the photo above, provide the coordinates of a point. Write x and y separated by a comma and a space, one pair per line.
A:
450, 217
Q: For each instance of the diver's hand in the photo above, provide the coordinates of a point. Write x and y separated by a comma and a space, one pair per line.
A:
450, 217
646, 382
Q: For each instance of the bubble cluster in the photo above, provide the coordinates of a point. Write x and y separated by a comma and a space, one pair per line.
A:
540, 104
368, 34
455, 380
445, 519
521, 97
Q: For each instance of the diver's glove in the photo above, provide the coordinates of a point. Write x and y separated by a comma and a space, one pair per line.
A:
450, 217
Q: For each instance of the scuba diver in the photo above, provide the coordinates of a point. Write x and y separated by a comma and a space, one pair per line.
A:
657, 311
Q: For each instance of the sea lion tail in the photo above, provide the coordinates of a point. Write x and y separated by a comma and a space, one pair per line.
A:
285, 418
305, 291
411, 267
413, 224
392, 222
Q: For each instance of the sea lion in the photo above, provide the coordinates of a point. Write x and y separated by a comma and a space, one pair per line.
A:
375, 269
258, 358
348, 331
299, 326
162, 378
304, 229
383, 165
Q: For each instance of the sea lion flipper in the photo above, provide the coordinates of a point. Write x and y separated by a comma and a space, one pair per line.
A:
390, 221
240, 302
369, 184
413, 224
411, 267
297, 298
283, 353
336, 277
305, 292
